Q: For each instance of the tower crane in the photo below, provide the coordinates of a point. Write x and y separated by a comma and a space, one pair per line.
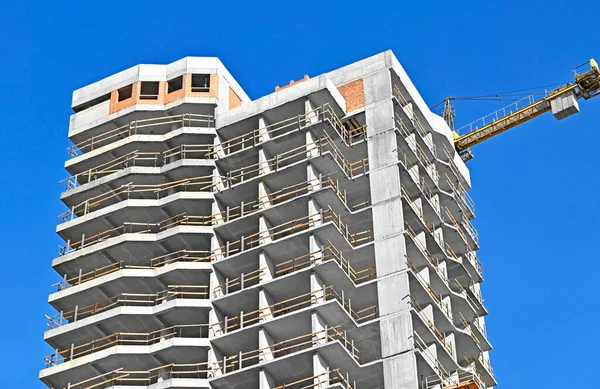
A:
562, 101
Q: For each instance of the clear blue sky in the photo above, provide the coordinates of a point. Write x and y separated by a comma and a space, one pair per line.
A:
535, 188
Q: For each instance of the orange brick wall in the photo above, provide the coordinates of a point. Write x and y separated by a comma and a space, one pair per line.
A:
354, 93
292, 82
234, 99
165, 98
116, 105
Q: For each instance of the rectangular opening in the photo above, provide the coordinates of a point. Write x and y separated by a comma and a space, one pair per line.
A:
200, 82
125, 93
175, 84
149, 90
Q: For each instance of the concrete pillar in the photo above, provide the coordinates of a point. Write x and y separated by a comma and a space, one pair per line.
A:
312, 146
268, 270
263, 134
218, 151
450, 339
216, 326
265, 302
264, 166
320, 371
217, 216
217, 250
442, 267
435, 201
265, 381
314, 213
315, 248
317, 288
312, 116
218, 183
215, 366
412, 142
265, 343
319, 328
214, 282
438, 234
423, 274
421, 241
427, 311
263, 228
313, 178
413, 172
264, 200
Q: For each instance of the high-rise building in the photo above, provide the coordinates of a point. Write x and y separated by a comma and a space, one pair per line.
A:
317, 237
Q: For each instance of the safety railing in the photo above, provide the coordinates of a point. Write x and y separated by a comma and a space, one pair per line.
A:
143, 126
428, 355
455, 379
257, 136
256, 239
482, 361
288, 346
128, 299
325, 254
426, 254
319, 381
463, 292
438, 334
151, 263
137, 158
301, 153
292, 304
472, 258
452, 221
450, 155
135, 191
458, 192
126, 339
135, 228
436, 297
416, 122
244, 280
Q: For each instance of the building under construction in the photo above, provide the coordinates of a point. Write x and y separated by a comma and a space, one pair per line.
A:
317, 237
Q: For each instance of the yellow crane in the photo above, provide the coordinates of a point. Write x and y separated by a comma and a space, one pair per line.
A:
562, 101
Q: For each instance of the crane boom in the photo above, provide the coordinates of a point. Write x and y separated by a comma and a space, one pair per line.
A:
586, 85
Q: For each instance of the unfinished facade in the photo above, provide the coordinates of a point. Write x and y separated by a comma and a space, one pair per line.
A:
316, 237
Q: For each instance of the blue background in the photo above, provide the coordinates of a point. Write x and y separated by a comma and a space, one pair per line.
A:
535, 188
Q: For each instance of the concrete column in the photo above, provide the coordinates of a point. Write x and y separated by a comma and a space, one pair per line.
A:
217, 250
265, 301
450, 339
263, 164
418, 203
313, 178
413, 172
317, 287
218, 183
312, 115
217, 215
216, 366
218, 151
265, 343
214, 282
268, 270
314, 213
442, 267
312, 147
423, 274
427, 311
319, 328
320, 371
412, 142
263, 195
438, 234
263, 133
435, 201
216, 327
263, 228
315, 248
265, 381
422, 240
431, 353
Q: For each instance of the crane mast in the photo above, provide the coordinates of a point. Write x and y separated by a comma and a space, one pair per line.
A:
562, 101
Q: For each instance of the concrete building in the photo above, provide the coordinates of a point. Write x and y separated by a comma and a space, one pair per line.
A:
316, 237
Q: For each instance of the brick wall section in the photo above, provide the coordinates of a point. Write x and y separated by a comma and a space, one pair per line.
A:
354, 93
164, 97
234, 99
116, 105
292, 82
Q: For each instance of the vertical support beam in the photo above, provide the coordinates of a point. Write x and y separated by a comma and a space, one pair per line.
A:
265, 302
263, 132
320, 371
217, 215
263, 228
266, 264
312, 145
265, 167
263, 195
265, 381
313, 177
315, 248
319, 328
312, 116
314, 213
317, 287
216, 249
265, 343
